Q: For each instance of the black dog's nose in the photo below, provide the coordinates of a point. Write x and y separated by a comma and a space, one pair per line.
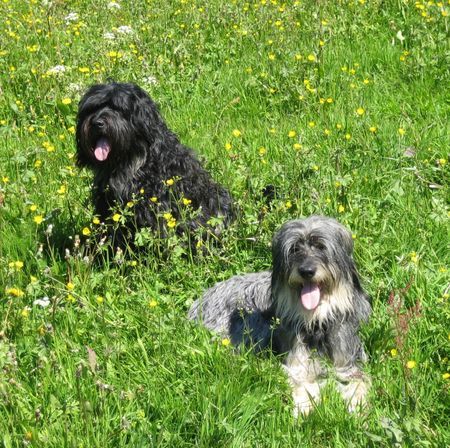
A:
307, 272
98, 123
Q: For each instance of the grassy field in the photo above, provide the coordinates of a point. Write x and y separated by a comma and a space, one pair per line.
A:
342, 105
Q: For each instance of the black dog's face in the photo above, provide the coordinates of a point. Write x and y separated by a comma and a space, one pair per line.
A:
311, 256
115, 121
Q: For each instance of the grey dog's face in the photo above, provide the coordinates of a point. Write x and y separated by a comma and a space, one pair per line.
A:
311, 256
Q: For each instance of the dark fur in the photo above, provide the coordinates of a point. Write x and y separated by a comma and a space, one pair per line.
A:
145, 153
263, 309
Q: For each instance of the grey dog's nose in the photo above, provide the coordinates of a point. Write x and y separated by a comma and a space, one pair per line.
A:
307, 271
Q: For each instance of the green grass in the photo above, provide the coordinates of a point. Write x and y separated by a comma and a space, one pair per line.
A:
127, 369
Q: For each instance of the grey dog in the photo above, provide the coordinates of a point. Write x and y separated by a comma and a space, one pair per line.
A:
310, 306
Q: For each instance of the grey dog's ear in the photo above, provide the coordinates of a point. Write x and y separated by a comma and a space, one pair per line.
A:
344, 236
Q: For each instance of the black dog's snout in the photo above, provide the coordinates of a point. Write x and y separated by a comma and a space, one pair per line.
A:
99, 123
307, 272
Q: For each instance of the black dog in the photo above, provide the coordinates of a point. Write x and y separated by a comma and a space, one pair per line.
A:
140, 165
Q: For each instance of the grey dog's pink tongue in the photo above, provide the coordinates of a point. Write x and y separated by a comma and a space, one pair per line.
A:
310, 296
102, 149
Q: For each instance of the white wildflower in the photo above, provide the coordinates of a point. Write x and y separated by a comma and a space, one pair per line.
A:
44, 302
124, 29
150, 80
72, 17
113, 5
56, 70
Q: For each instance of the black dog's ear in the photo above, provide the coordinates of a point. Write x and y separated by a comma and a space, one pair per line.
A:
147, 120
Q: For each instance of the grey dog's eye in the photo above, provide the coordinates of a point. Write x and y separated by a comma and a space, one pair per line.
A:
318, 245
297, 247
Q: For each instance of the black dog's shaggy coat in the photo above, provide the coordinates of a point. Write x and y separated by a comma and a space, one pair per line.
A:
139, 161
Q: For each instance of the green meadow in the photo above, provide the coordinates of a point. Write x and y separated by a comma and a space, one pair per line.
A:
342, 106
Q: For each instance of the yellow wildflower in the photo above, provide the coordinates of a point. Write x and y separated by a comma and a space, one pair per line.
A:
411, 364
15, 292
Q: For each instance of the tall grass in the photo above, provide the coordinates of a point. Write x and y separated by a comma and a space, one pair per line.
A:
342, 106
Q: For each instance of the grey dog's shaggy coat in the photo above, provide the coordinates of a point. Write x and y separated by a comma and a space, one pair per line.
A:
310, 303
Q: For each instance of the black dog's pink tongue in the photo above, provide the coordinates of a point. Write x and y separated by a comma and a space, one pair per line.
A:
310, 296
102, 149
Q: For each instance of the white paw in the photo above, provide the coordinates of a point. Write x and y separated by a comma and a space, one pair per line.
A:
305, 396
354, 394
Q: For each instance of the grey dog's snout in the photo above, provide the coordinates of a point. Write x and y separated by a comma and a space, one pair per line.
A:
307, 271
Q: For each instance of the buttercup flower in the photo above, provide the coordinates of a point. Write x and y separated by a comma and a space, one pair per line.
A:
15, 292
411, 364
